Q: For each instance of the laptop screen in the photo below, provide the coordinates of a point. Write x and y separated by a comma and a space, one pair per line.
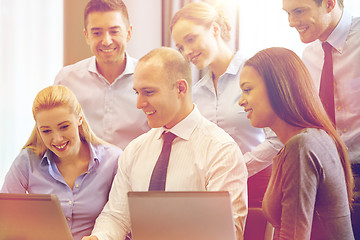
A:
32, 217
181, 215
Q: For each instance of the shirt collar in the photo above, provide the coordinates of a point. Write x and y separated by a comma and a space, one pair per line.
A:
338, 37
232, 69
185, 128
129, 68
235, 64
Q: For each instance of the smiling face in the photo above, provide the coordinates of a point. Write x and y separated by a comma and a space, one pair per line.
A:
59, 130
255, 98
195, 42
157, 96
107, 35
310, 20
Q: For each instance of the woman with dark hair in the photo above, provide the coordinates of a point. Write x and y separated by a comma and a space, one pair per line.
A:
310, 189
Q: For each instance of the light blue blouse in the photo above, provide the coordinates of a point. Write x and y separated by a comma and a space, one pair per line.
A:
259, 146
82, 204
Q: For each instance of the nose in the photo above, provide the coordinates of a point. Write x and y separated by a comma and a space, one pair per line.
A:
242, 101
293, 21
107, 40
57, 137
140, 102
187, 52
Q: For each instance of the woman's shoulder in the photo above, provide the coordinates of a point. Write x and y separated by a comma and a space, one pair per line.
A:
106, 149
309, 137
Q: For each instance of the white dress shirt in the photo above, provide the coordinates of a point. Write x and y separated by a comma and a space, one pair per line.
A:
109, 108
259, 146
346, 60
203, 158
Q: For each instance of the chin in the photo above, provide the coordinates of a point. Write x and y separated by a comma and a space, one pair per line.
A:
307, 39
257, 124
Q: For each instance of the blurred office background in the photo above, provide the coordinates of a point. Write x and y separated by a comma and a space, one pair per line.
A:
38, 37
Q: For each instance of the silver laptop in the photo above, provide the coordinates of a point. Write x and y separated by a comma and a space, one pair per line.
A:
181, 215
32, 217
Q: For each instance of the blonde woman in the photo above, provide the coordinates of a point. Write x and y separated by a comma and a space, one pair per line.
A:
201, 34
64, 157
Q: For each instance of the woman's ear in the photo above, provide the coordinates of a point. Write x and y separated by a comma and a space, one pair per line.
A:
216, 29
80, 120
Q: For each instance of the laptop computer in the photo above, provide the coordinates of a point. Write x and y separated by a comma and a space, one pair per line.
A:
32, 217
181, 215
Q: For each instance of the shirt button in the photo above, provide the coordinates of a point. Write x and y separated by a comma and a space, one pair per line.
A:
88, 172
70, 202
77, 185
69, 219
338, 108
345, 130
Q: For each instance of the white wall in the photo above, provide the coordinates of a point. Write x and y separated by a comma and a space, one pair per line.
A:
145, 16
31, 49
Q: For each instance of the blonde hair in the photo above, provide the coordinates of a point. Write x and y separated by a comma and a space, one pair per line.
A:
203, 14
294, 99
52, 97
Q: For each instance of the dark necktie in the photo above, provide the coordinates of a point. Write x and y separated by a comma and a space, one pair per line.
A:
326, 91
158, 177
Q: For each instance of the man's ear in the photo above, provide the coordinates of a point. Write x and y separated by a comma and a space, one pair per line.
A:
182, 86
129, 33
86, 36
330, 5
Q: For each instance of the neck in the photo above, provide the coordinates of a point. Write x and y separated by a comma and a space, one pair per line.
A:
83, 154
111, 70
336, 15
285, 131
222, 61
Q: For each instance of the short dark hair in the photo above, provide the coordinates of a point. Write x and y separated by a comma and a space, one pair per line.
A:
105, 6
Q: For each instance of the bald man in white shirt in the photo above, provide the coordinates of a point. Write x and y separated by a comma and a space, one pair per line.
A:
203, 156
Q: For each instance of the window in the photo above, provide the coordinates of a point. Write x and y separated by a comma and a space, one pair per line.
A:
31, 50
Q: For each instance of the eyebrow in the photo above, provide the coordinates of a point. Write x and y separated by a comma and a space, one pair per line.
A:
111, 28
57, 124
242, 84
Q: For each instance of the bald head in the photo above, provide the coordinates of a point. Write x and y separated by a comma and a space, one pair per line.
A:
171, 62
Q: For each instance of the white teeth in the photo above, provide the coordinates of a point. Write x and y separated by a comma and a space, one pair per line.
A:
194, 58
107, 50
61, 146
149, 113
300, 30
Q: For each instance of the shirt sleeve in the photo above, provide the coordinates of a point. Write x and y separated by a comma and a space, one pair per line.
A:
228, 173
299, 183
262, 155
16, 180
114, 221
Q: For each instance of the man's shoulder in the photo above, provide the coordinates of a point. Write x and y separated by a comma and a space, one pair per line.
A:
213, 133
139, 141
76, 68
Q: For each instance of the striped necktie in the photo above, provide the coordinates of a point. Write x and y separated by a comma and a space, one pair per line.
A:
158, 177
